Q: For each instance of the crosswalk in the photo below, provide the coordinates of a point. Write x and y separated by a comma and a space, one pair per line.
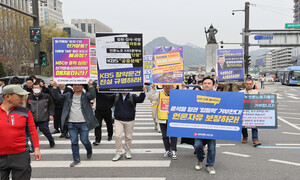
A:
147, 150
287, 96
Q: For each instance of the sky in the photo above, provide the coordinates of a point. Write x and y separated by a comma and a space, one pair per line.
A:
182, 21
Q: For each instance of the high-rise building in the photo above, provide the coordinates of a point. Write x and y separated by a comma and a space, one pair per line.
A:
281, 58
90, 25
264, 62
297, 11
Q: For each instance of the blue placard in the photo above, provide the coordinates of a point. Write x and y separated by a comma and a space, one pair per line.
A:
264, 37
205, 114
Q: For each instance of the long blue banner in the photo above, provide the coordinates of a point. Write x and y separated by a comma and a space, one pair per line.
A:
205, 114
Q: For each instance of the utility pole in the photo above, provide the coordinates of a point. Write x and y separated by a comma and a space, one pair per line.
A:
37, 46
246, 38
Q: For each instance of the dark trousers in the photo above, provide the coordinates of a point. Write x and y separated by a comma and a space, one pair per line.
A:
170, 143
107, 116
44, 127
57, 120
17, 164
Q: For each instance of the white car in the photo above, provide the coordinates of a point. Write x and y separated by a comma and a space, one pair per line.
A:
269, 79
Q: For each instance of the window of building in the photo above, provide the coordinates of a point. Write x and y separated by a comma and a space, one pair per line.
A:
82, 25
89, 28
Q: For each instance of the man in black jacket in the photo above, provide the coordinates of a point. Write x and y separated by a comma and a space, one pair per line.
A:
124, 120
42, 108
59, 104
103, 111
79, 116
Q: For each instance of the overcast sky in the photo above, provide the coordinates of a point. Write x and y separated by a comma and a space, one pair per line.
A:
182, 21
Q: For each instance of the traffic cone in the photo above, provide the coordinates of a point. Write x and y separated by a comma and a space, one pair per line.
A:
256, 86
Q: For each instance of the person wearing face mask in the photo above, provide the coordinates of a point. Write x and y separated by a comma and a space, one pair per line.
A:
42, 108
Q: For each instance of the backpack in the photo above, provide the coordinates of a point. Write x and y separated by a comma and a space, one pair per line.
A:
130, 97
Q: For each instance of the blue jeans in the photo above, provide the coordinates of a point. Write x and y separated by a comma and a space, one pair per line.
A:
254, 133
74, 130
211, 152
262, 85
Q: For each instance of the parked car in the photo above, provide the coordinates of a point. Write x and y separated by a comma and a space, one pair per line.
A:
255, 77
269, 79
274, 77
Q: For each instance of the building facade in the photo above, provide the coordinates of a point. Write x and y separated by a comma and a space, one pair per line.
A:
264, 62
281, 58
297, 11
90, 26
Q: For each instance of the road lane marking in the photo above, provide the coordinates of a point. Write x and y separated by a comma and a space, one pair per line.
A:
287, 122
102, 151
277, 147
192, 147
282, 112
110, 142
291, 133
284, 162
292, 118
236, 154
120, 163
287, 144
134, 134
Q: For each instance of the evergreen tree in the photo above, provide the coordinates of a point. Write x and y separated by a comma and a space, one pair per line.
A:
2, 72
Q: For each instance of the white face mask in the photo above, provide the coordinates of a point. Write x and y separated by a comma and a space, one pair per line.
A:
36, 91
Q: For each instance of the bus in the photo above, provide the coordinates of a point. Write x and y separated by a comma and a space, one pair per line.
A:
290, 76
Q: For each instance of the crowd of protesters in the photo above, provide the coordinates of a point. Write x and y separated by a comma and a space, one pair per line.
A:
71, 107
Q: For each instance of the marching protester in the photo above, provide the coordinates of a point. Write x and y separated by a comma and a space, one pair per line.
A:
162, 98
59, 104
14, 119
78, 114
2, 84
103, 111
124, 120
208, 85
28, 85
42, 108
249, 90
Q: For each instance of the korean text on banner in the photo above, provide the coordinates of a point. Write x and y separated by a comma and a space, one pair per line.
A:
230, 64
93, 63
260, 111
168, 65
205, 114
120, 62
148, 69
71, 60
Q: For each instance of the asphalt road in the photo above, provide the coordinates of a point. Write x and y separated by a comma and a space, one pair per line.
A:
277, 158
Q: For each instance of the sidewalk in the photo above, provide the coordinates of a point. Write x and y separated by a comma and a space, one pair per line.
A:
267, 89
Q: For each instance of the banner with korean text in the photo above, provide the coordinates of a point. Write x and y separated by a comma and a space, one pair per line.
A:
71, 60
205, 114
260, 111
148, 68
120, 62
93, 63
230, 64
168, 65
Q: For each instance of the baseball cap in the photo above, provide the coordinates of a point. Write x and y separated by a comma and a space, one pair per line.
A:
14, 89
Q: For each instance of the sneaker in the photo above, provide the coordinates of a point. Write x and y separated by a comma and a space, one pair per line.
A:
128, 155
245, 139
198, 165
256, 143
62, 135
52, 144
89, 155
75, 163
117, 157
210, 170
109, 138
67, 136
174, 155
96, 143
55, 131
167, 154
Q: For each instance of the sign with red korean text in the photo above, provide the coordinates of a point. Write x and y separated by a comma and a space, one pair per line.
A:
164, 104
260, 111
93, 63
71, 60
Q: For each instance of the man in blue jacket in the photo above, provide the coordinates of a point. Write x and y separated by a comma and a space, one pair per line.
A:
78, 114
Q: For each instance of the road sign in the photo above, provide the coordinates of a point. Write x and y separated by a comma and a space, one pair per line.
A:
35, 34
263, 37
292, 25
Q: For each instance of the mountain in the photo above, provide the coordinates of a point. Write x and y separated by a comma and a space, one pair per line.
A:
192, 54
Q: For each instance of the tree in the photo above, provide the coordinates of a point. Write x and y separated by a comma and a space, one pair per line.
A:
2, 72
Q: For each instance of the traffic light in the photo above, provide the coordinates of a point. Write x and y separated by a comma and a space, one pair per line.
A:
43, 58
247, 61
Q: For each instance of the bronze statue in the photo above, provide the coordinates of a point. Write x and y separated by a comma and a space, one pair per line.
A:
211, 35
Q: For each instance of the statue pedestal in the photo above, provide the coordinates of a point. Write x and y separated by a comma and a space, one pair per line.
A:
211, 58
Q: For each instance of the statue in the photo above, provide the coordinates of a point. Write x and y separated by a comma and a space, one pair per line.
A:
211, 35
